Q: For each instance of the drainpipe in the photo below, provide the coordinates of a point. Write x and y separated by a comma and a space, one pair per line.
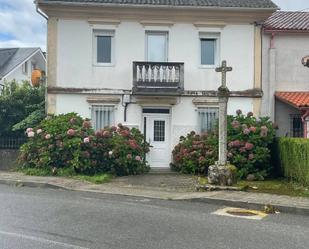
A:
305, 122
39, 11
272, 41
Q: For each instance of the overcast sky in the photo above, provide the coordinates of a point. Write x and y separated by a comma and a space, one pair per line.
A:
21, 26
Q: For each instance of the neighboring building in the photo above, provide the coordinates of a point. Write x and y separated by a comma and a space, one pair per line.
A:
285, 78
151, 64
18, 63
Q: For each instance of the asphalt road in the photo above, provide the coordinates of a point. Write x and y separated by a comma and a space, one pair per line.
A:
32, 218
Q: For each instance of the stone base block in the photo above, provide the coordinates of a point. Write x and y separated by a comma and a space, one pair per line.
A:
222, 175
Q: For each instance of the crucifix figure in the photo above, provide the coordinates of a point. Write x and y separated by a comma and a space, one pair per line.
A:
223, 94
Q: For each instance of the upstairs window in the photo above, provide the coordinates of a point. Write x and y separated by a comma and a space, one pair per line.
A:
207, 118
102, 116
209, 44
103, 46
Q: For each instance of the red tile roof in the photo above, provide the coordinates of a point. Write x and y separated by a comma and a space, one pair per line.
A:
288, 21
296, 99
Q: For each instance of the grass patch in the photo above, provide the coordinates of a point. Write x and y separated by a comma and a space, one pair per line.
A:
96, 179
35, 172
270, 186
276, 186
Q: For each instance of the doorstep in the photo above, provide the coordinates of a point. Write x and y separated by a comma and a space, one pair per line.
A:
161, 170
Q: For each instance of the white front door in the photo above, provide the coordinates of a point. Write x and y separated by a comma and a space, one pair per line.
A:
157, 129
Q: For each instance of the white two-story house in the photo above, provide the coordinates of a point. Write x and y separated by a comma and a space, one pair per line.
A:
151, 64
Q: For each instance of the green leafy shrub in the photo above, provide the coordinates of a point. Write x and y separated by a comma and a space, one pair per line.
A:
294, 158
249, 140
21, 106
68, 142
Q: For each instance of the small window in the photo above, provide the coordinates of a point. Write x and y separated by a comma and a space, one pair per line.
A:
159, 131
207, 118
102, 116
25, 68
103, 46
209, 44
296, 127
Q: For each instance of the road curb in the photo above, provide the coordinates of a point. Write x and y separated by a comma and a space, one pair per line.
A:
209, 200
19, 183
252, 205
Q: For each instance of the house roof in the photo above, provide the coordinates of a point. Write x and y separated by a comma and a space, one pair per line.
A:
296, 99
260, 4
10, 58
288, 21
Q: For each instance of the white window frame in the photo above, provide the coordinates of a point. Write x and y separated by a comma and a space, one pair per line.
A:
156, 32
199, 109
103, 32
25, 68
33, 66
100, 107
216, 36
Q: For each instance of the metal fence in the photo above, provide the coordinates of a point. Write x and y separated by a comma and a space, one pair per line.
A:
12, 142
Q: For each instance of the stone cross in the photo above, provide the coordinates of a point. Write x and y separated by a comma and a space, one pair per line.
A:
223, 94
223, 69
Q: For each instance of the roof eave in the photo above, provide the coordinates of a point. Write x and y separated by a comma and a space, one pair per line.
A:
57, 3
286, 101
284, 31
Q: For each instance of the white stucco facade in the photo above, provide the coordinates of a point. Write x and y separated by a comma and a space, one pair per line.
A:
76, 83
283, 72
75, 54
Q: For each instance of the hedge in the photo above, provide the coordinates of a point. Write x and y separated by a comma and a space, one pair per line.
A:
294, 158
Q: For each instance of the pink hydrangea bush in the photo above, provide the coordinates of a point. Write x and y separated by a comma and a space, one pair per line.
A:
126, 148
68, 141
195, 153
249, 141
249, 144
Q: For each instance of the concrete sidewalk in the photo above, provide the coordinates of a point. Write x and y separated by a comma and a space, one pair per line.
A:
170, 187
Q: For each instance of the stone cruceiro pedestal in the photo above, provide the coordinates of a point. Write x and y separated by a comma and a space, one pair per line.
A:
222, 173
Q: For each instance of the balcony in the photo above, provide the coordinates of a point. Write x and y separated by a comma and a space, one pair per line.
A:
158, 78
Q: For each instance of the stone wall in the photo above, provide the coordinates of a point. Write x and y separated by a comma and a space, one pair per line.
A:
8, 159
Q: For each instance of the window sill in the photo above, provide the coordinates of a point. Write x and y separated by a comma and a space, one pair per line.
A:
208, 66
103, 65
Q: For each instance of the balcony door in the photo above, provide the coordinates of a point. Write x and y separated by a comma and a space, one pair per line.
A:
156, 46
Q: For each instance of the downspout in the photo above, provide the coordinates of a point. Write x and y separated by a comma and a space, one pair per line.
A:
39, 11
272, 41
303, 118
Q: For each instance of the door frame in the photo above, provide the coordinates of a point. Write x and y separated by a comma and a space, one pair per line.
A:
165, 115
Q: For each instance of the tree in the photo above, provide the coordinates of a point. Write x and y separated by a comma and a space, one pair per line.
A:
21, 105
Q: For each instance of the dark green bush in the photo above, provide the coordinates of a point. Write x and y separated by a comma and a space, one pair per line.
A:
294, 158
21, 106
68, 142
